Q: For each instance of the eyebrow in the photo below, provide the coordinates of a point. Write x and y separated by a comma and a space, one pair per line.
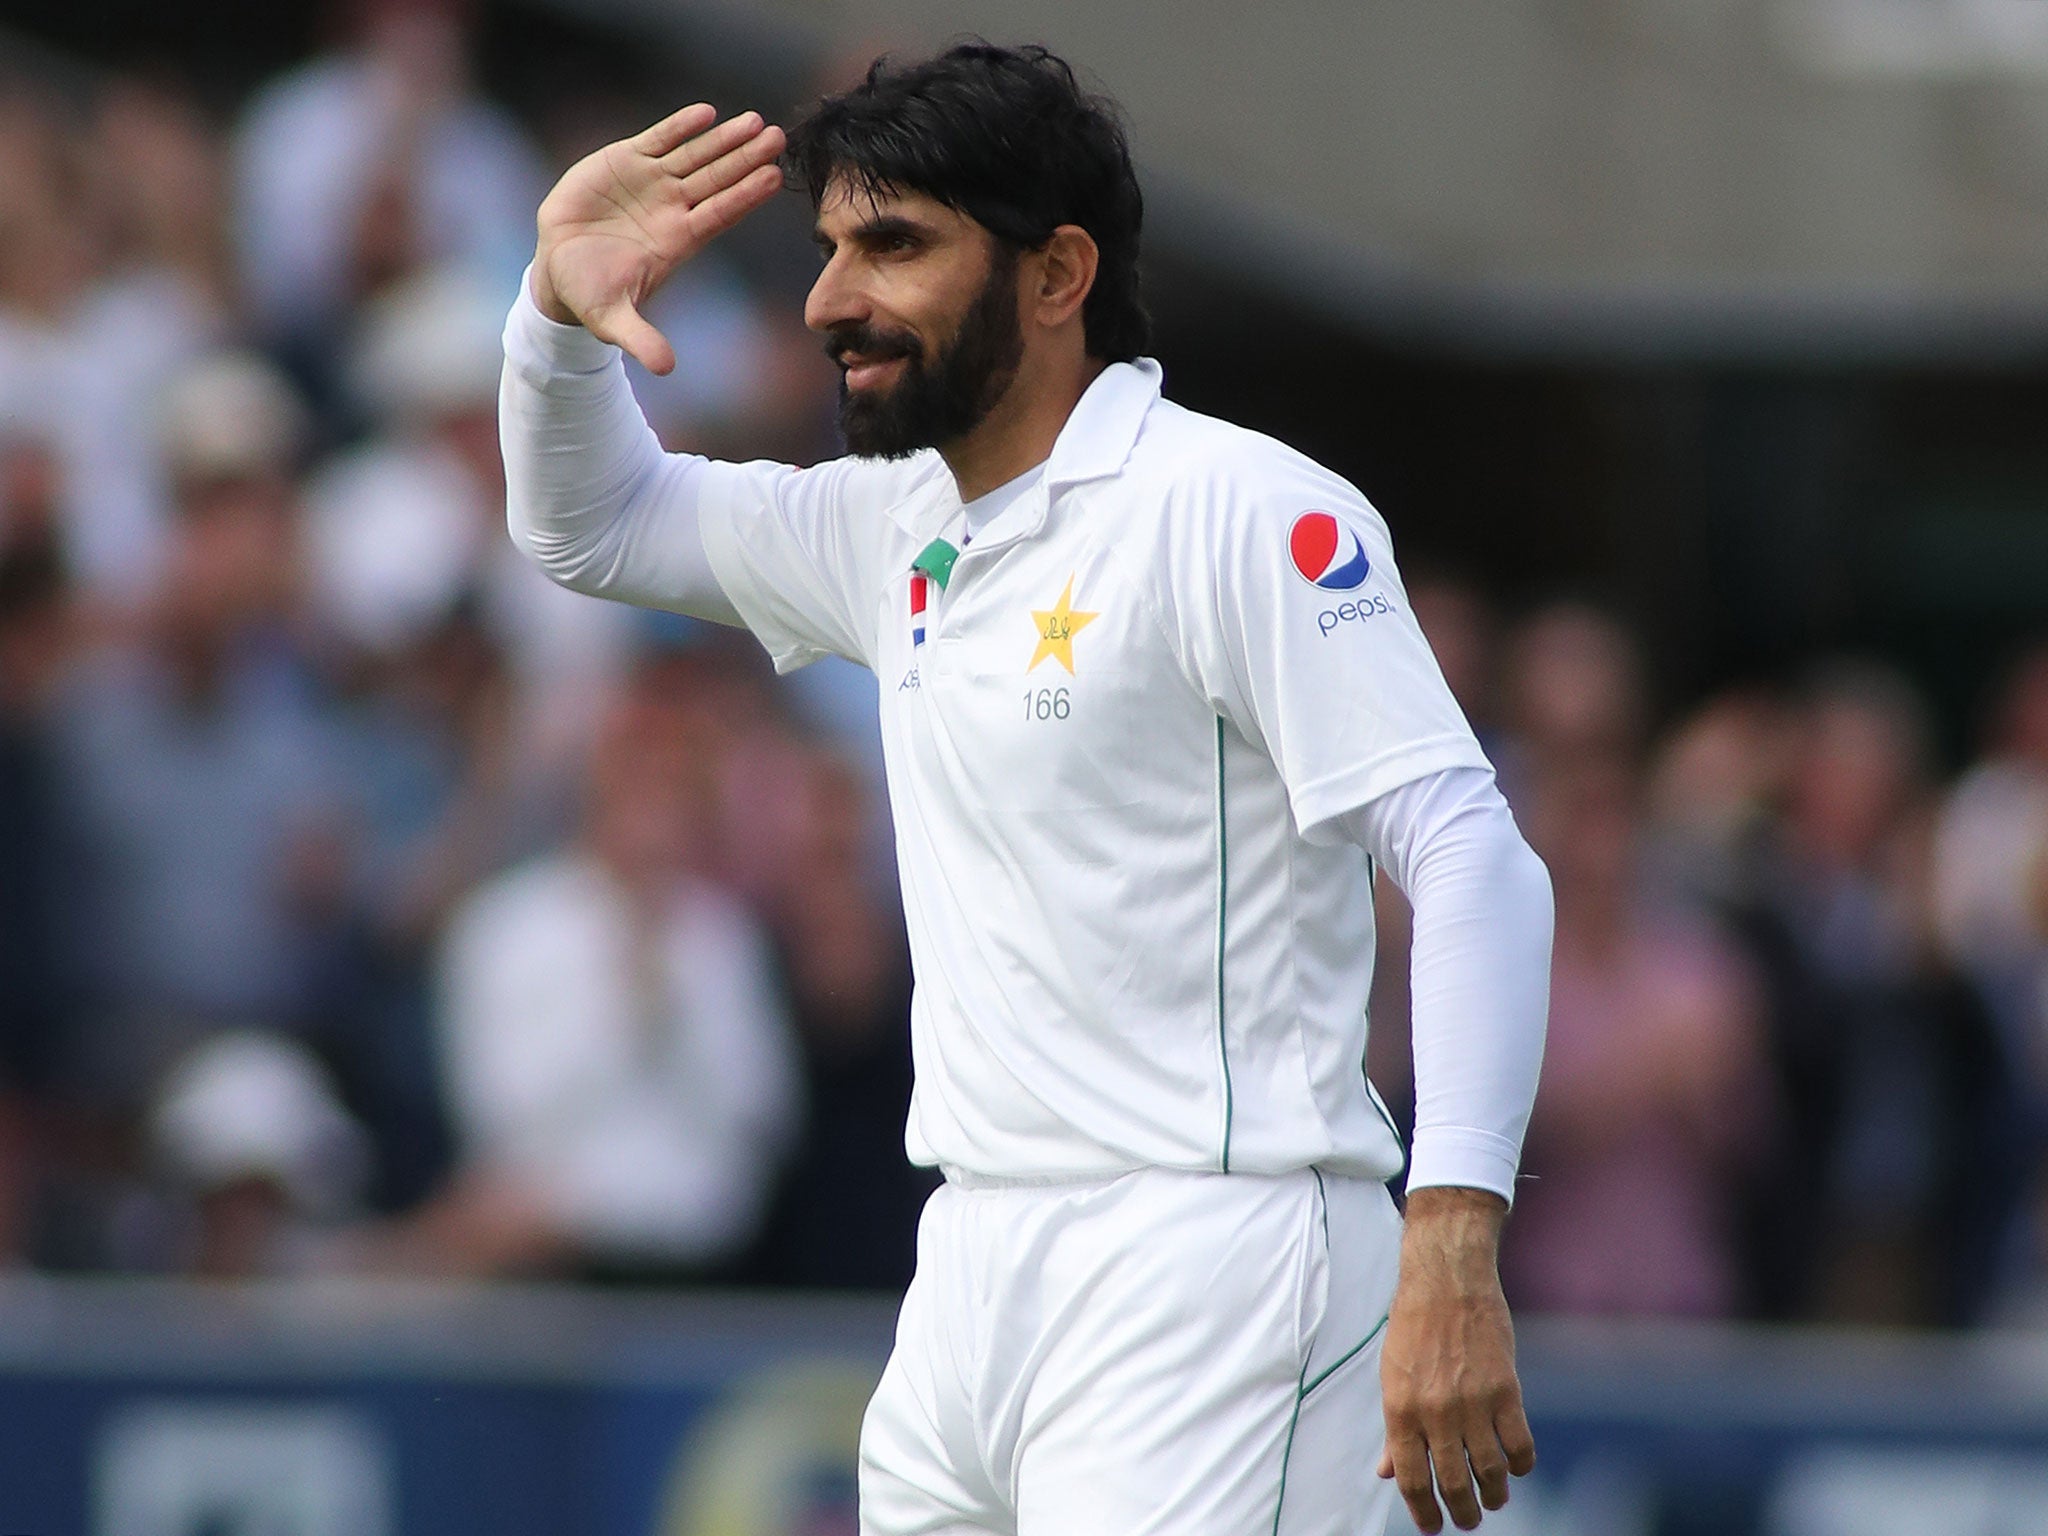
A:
888, 226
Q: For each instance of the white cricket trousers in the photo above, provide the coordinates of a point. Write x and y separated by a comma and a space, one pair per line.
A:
1159, 1354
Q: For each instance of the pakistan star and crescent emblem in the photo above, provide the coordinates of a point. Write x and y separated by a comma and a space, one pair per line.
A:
1057, 627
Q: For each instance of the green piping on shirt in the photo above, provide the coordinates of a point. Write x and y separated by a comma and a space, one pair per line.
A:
1222, 931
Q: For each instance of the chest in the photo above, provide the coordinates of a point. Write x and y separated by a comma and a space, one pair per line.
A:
1038, 676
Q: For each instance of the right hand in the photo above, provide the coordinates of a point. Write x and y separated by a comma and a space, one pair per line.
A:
623, 218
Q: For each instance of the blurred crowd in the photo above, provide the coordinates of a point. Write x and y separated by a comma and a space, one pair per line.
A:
368, 903
1798, 1053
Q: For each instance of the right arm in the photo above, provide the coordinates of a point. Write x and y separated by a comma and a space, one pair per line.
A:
589, 492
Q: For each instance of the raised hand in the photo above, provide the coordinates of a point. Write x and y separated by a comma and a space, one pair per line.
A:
623, 218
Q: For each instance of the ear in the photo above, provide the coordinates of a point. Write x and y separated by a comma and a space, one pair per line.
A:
1065, 271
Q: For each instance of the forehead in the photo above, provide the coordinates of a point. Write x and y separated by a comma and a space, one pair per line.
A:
846, 207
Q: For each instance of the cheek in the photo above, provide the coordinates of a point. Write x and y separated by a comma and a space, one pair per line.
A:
931, 298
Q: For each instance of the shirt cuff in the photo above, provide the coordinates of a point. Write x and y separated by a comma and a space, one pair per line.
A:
1321, 801
1463, 1158
540, 348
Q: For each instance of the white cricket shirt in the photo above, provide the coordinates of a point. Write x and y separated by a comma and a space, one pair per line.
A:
1113, 738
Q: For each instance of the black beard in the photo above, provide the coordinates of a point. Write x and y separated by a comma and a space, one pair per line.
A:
941, 402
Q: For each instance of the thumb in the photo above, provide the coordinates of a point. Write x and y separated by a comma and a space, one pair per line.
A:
622, 326
1386, 1463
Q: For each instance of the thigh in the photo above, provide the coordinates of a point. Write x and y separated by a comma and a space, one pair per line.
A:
1330, 1484
912, 1480
1175, 1400
921, 1472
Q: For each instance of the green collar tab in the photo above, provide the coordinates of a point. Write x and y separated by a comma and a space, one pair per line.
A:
937, 561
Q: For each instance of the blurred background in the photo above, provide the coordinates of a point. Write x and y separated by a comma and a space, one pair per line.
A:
378, 920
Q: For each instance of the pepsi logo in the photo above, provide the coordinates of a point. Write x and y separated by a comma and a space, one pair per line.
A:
1326, 553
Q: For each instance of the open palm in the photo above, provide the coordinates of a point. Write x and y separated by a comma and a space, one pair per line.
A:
624, 217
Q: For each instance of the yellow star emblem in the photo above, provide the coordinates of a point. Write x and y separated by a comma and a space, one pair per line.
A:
1057, 627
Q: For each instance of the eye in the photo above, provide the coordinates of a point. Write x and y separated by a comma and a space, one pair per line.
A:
895, 242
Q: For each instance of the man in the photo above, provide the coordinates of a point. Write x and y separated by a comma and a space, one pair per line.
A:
1153, 705
615, 1050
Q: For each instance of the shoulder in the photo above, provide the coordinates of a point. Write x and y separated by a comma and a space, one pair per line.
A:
881, 485
1222, 473
1210, 502
842, 487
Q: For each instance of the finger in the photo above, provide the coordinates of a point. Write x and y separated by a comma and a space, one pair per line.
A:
1512, 1425
1454, 1478
1411, 1475
675, 129
719, 213
1489, 1465
622, 326
707, 146
734, 166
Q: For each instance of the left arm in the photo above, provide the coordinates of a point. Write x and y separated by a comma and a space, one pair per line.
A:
1338, 686
1481, 983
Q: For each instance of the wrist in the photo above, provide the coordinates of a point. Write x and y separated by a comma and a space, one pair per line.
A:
1457, 1204
1453, 1230
542, 292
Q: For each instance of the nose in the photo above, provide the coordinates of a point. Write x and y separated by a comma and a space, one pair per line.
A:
835, 299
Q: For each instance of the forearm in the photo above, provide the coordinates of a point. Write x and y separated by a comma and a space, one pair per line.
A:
1480, 968
589, 493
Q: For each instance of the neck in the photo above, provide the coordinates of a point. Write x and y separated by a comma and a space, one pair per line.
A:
1019, 433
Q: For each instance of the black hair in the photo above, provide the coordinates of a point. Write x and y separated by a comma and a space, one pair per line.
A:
1007, 137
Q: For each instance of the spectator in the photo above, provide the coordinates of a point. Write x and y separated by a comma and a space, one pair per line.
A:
160, 173
403, 525
1718, 785
846, 1216
372, 162
618, 1058
1991, 897
102, 300
198, 772
162, 298
1991, 868
430, 719
1572, 690
1654, 1085
256, 1160
1895, 1074
32, 642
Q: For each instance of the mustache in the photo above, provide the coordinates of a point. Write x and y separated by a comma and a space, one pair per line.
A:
871, 345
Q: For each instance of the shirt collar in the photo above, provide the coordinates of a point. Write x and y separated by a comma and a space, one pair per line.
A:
1096, 441
1100, 434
